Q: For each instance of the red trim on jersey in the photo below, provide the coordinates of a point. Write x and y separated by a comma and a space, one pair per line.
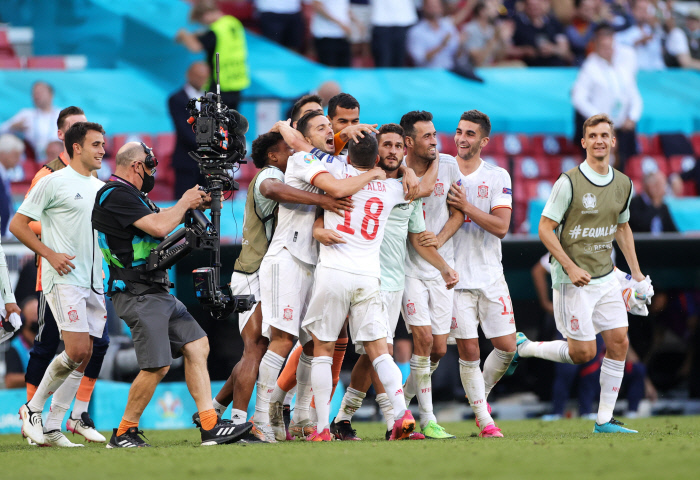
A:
316, 175
501, 206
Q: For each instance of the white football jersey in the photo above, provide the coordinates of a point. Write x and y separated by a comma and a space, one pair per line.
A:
436, 212
295, 222
477, 252
363, 228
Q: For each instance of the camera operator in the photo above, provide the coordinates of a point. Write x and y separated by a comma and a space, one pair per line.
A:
130, 226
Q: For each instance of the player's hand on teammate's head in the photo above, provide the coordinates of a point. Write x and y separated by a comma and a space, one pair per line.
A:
337, 205
328, 237
428, 239
411, 184
61, 262
578, 276
355, 132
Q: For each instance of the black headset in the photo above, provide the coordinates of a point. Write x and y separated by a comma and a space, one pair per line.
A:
151, 161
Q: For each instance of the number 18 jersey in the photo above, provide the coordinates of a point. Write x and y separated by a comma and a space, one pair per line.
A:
363, 228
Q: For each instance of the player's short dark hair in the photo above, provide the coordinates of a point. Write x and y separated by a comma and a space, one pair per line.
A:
480, 118
77, 132
342, 100
363, 152
409, 120
595, 120
303, 123
67, 112
262, 146
296, 109
390, 128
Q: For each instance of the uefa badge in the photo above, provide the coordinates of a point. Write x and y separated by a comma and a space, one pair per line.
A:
482, 191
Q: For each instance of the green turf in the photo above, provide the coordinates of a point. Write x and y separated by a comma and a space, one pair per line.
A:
666, 448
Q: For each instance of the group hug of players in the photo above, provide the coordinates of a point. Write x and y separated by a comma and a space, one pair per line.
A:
345, 230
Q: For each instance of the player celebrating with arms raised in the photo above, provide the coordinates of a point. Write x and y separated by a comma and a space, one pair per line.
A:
588, 207
481, 296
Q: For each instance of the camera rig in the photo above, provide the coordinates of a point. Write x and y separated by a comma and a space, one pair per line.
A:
219, 132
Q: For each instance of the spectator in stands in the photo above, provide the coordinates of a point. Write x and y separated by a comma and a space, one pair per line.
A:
17, 356
331, 27
433, 42
539, 39
588, 15
484, 39
607, 84
187, 173
677, 44
36, 125
360, 36
226, 36
328, 90
648, 211
391, 20
11, 150
54, 149
281, 21
645, 36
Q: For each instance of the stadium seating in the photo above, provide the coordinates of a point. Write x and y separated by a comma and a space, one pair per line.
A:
10, 63
47, 63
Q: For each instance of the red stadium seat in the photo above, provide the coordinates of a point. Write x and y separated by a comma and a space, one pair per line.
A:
531, 168
164, 144
10, 63
6, 49
46, 63
695, 140
640, 165
563, 164
649, 145
680, 163
446, 144
546, 145
508, 144
525, 190
498, 160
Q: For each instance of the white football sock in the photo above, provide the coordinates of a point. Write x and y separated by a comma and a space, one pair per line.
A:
387, 409
390, 376
78, 408
322, 384
611, 373
290, 395
554, 351
420, 369
433, 366
473, 383
352, 400
220, 408
270, 367
303, 403
278, 395
56, 373
495, 366
62, 398
239, 416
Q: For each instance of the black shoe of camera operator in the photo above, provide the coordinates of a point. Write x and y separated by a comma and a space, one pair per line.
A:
225, 431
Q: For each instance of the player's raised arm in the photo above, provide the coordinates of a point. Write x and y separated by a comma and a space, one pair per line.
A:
278, 191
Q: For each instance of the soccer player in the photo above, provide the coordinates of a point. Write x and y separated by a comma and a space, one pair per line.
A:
481, 298
307, 103
47, 340
347, 284
404, 220
427, 304
270, 154
71, 274
287, 270
587, 209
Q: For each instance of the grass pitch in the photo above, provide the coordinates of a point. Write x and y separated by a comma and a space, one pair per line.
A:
665, 448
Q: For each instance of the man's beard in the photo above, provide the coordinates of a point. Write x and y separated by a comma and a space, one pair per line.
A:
387, 168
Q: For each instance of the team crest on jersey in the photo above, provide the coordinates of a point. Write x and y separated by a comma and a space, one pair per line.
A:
410, 309
288, 314
574, 324
73, 316
439, 189
482, 191
589, 200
